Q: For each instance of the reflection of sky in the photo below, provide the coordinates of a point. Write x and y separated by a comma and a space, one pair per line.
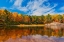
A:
36, 38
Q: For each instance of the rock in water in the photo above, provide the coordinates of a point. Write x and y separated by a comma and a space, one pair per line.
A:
54, 25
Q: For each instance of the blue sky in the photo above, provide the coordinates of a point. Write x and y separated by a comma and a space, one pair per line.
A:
33, 7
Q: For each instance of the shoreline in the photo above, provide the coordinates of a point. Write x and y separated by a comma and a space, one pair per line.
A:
33, 25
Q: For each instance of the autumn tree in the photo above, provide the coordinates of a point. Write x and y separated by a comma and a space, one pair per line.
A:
7, 15
34, 19
26, 19
63, 18
48, 18
19, 18
60, 18
43, 18
2, 15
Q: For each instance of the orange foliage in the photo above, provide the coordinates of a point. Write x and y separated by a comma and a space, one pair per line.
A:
19, 18
26, 19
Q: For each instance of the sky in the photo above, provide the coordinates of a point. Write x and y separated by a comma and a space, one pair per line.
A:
33, 7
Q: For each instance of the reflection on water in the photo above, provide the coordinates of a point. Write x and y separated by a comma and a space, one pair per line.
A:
36, 38
30, 34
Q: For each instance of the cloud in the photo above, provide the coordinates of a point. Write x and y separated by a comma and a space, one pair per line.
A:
36, 7
50, 12
11, 0
18, 3
62, 8
43, 10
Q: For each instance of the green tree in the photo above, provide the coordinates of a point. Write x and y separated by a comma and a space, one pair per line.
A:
48, 18
60, 18
34, 19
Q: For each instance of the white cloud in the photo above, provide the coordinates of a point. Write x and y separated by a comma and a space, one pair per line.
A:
11, 0
43, 10
62, 8
22, 9
50, 12
18, 3
36, 7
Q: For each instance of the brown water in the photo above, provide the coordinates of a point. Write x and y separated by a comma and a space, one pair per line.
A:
31, 34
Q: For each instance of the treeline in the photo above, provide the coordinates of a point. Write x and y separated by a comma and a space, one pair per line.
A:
15, 18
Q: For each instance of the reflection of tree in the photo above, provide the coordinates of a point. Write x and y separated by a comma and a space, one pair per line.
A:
17, 33
45, 31
56, 32
62, 32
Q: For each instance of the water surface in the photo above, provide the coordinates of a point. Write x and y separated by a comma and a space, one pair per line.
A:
31, 34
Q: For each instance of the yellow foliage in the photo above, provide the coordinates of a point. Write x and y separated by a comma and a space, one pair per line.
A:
15, 14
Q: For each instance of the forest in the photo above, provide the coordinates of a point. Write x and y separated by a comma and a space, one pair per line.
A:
13, 18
